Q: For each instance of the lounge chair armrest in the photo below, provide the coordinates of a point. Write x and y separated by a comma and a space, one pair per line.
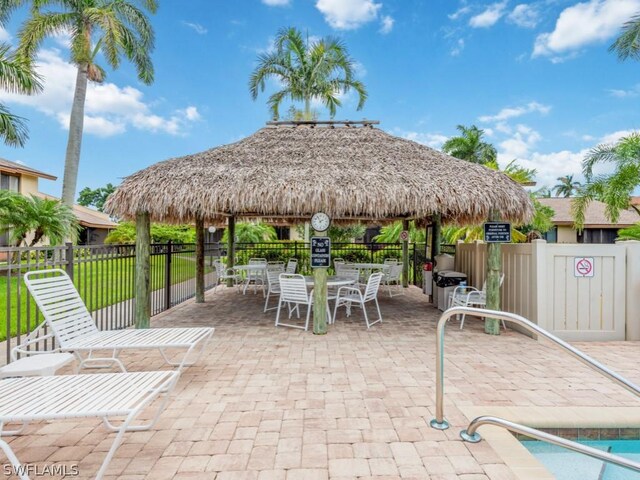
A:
22, 348
349, 288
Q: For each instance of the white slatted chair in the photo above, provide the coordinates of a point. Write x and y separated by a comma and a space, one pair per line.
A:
338, 265
276, 267
471, 297
293, 291
393, 277
71, 324
391, 261
347, 296
292, 265
273, 288
117, 398
223, 274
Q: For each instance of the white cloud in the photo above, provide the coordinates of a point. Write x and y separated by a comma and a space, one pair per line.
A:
461, 12
584, 23
513, 112
4, 35
615, 136
359, 70
386, 24
519, 145
348, 14
524, 15
196, 27
457, 48
619, 93
489, 16
550, 166
276, 3
433, 140
109, 109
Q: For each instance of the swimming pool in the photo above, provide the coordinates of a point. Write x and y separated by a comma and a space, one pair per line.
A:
567, 465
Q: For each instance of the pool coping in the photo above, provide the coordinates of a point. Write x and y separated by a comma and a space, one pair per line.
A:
521, 462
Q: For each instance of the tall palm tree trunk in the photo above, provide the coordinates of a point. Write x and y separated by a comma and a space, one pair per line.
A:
74, 143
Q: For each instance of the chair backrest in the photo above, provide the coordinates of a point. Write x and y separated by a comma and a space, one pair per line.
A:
350, 273
257, 261
373, 284
391, 261
484, 284
61, 305
273, 280
292, 265
395, 271
275, 267
293, 288
337, 261
219, 266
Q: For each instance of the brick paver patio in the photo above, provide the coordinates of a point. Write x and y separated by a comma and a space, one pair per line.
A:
267, 403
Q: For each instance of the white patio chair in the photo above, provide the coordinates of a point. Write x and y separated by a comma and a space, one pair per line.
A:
68, 321
338, 265
471, 297
391, 261
275, 267
348, 296
223, 274
116, 398
293, 291
393, 277
273, 287
292, 265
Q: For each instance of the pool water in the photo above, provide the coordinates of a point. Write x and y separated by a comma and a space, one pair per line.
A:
567, 465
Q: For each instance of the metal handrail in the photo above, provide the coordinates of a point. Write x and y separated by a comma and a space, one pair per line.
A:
471, 435
439, 422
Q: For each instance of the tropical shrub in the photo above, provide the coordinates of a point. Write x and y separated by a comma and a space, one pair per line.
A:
160, 233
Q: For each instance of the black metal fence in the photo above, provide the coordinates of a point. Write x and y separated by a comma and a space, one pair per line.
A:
105, 276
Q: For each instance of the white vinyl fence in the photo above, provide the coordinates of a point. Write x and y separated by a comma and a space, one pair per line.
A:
577, 291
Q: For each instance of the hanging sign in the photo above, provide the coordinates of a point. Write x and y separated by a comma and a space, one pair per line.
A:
320, 252
583, 267
497, 232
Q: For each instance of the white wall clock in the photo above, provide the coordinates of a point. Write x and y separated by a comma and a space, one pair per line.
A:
320, 222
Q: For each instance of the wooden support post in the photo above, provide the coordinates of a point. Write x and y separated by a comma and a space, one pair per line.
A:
494, 266
143, 260
320, 299
436, 236
231, 245
199, 259
405, 256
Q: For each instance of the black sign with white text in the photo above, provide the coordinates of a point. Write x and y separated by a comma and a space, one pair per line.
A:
497, 232
320, 252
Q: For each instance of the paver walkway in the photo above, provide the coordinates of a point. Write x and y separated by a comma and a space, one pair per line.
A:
267, 403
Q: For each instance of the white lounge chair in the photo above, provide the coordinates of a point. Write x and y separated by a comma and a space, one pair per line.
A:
71, 324
468, 296
119, 397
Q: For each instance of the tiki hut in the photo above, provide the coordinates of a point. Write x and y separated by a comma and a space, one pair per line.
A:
352, 171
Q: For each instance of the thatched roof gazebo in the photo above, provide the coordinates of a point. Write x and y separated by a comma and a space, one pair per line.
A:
350, 170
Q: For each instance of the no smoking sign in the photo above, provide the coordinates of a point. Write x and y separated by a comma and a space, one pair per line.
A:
583, 267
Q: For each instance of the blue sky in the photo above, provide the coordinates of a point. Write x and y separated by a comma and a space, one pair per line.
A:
535, 75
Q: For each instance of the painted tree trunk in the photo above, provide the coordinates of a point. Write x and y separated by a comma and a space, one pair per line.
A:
74, 141
494, 267
319, 299
143, 284
231, 245
199, 260
405, 256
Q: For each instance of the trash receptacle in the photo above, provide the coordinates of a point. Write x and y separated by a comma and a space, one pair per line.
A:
446, 282
427, 278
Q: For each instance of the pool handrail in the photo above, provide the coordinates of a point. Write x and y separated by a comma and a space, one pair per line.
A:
439, 422
471, 435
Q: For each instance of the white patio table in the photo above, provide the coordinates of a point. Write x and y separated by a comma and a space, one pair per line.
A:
332, 281
259, 268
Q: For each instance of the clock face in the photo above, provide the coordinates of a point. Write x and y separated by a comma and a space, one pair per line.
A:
320, 222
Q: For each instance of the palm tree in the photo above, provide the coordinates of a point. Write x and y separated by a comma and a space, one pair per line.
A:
629, 233
16, 76
470, 146
21, 216
252, 232
306, 70
566, 186
115, 28
614, 190
627, 45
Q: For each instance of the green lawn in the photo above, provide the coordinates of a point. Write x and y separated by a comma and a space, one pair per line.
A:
101, 283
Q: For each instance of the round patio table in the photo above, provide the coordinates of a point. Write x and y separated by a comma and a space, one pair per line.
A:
332, 281
255, 268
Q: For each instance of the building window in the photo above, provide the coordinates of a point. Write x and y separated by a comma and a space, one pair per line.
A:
9, 182
552, 235
599, 235
283, 233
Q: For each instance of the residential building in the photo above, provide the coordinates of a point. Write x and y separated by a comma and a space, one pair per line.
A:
597, 227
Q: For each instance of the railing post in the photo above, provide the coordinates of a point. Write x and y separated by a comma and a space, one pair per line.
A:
167, 276
415, 265
69, 259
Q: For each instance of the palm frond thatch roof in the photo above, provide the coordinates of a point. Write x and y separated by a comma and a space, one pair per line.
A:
296, 170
